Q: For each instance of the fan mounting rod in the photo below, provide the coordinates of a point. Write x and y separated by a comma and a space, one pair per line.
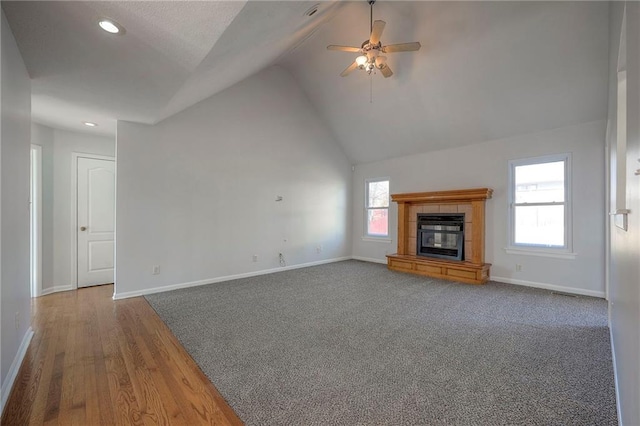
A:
371, 2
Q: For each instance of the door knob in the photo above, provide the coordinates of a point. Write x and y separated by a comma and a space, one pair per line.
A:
83, 228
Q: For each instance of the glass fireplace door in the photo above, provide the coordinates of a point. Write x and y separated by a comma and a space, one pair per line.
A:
441, 236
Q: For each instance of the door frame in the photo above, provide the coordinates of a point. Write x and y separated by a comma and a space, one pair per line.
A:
74, 211
35, 220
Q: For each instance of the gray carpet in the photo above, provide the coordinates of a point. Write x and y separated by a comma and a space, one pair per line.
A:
352, 343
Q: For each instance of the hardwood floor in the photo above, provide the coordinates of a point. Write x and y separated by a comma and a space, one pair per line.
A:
95, 361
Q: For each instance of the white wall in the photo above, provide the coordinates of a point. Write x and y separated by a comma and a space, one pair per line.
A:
14, 216
57, 227
486, 165
624, 268
196, 192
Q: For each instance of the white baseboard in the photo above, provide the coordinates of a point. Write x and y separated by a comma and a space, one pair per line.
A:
14, 368
56, 289
615, 374
554, 287
177, 286
117, 296
369, 259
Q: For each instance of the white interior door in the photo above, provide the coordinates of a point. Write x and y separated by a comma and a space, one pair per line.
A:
96, 220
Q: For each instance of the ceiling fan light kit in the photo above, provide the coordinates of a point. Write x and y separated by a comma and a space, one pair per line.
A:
370, 57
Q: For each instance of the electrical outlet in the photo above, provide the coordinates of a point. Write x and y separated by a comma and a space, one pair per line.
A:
17, 320
319, 248
255, 257
518, 268
155, 270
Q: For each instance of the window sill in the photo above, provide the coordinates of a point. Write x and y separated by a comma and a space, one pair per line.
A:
541, 253
385, 240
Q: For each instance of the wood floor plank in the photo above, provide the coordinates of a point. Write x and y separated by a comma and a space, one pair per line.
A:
46, 371
120, 386
99, 370
52, 409
55, 390
91, 359
152, 410
168, 375
69, 373
206, 403
27, 383
148, 362
95, 361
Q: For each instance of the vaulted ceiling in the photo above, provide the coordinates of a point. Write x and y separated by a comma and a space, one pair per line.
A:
172, 55
486, 70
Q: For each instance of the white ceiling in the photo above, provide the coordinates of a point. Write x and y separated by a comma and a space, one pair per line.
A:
486, 70
172, 55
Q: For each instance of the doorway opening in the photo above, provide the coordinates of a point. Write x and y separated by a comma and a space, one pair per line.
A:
35, 221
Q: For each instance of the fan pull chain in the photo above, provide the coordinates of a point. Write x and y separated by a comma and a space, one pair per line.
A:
370, 89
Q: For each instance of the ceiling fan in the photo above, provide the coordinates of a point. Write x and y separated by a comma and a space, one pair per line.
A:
370, 52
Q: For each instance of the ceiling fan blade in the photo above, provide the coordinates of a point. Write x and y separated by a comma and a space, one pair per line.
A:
348, 70
376, 32
386, 71
344, 48
402, 47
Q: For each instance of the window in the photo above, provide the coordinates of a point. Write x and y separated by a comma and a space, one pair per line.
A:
377, 207
539, 200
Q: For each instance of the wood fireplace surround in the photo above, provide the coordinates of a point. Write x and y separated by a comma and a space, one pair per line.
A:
471, 202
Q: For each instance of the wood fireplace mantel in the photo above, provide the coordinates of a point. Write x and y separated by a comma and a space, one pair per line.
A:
470, 202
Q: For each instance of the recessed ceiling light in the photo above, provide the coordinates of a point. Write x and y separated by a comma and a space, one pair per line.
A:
89, 124
111, 26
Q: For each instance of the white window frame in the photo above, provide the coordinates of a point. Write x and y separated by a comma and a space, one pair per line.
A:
366, 235
565, 252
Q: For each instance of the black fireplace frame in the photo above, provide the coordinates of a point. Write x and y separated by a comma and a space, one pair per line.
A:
448, 225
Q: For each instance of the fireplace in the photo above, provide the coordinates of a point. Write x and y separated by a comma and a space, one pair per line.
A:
440, 235
458, 233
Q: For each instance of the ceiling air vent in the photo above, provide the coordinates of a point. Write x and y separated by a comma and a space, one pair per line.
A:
312, 10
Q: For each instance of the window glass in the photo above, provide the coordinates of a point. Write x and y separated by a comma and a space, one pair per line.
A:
378, 222
539, 194
378, 195
536, 183
377, 208
540, 225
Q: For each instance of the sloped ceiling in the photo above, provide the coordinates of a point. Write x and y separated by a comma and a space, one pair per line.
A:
486, 70
172, 55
